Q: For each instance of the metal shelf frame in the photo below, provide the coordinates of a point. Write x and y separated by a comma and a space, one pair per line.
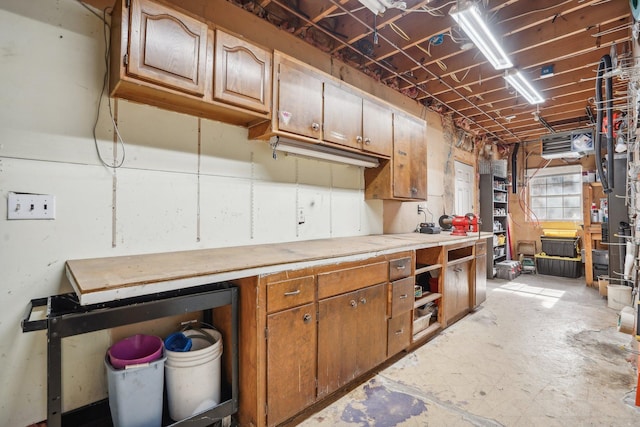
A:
66, 317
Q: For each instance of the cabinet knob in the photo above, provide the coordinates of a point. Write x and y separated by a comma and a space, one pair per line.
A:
414, 190
353, 303
315, 126
367, 141
359, 139
306, 318
363, 300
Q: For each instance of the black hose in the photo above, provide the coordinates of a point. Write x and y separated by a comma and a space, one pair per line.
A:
514, 168
604, 67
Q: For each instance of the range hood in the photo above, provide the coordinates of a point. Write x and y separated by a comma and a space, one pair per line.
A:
321, 152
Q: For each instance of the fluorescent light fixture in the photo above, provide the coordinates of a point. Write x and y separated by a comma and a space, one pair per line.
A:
379, 6
322, 152
562, 155
469, 18
524, 88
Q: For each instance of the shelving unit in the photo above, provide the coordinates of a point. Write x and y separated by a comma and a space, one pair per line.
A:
66, 317
428, 263
592, 234
494, 206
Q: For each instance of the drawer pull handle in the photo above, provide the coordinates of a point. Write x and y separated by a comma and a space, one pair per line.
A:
363, 300
292, 293
306, 318
401, 267
403, 296
400, 332
457, 269
353, 303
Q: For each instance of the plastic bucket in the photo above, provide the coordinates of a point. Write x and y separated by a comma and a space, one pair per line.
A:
618, 296
135, 394
193, 377
201, 348
135, 350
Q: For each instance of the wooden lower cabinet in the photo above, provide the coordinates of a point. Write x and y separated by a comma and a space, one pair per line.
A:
480, 284
352, 336
456, 291
291, 362
306, 333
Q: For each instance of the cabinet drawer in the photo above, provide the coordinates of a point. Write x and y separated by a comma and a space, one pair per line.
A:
351, 279
289, 293
402, 296
399, 268
398, 333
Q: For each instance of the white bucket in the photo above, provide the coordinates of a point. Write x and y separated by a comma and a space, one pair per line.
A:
618, 296
193, 377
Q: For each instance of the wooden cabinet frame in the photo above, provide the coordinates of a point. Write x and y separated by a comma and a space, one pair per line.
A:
188, 90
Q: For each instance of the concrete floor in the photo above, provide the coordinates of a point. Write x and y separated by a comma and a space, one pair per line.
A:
541, 351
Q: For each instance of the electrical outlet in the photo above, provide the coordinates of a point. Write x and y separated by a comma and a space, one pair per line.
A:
420, 209
31, 206
300, 216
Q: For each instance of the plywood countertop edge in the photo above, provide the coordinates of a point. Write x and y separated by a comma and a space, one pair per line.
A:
102, 284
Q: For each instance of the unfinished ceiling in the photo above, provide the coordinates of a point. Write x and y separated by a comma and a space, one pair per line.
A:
423, 53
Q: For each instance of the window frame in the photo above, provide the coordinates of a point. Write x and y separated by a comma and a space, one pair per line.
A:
557, 171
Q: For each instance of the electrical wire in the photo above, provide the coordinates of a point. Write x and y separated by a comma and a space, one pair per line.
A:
399, 31
106, 30
102, 18
535, 11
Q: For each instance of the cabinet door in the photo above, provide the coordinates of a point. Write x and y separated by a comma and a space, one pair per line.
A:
372, 328
377, 128
409, 158
342, 117
299, 100
291, 362
456, 291
167, 47
480, 292
242, 73
337, 341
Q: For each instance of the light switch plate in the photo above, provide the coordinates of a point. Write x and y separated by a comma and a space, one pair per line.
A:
31, 206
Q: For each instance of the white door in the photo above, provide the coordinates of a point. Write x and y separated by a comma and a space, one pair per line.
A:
464, 188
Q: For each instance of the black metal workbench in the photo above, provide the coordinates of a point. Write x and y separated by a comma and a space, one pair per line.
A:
65, 317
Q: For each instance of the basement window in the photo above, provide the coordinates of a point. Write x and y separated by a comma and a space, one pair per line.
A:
555, 194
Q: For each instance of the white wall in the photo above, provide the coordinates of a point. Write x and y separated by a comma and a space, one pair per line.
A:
176, 190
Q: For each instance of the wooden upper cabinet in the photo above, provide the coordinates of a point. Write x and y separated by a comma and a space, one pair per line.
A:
167, 47
242, 73
409, 158
356, 122
404, 177
377, 128
299, 106
342, 117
